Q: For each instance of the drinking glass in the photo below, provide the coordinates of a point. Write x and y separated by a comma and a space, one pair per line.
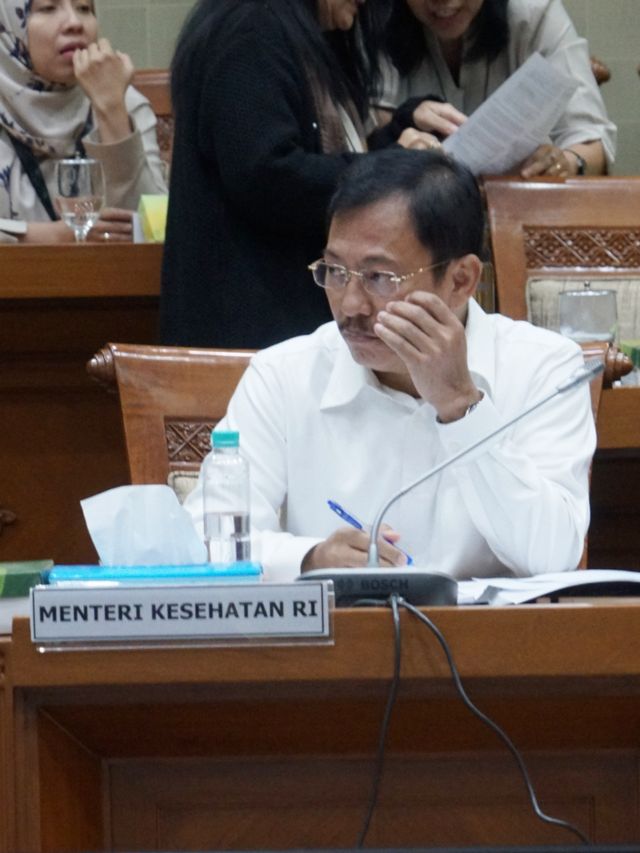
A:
80, 194
588, 315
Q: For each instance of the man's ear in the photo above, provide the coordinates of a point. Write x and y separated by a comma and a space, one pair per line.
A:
465, 275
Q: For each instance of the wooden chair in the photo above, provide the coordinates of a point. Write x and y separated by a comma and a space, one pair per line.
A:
170, 399
575, 229
580, 228
154, 84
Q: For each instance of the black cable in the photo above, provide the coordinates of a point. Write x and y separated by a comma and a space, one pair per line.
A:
491, 724
384, 728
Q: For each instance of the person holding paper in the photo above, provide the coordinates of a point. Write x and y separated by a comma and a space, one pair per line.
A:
65, 92
411, 371
449, 56
271, 104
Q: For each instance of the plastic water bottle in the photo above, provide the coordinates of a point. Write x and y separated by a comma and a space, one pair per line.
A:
226, 500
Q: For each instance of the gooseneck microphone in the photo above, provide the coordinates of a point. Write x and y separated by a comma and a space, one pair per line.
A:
591, 368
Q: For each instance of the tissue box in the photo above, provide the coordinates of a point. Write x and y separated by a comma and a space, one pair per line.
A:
153, 217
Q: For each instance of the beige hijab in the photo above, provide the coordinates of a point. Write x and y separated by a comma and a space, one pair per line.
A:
48, 117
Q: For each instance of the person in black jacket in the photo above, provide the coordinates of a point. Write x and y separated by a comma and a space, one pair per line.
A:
271, 102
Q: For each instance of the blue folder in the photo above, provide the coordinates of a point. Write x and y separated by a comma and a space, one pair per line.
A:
198, 573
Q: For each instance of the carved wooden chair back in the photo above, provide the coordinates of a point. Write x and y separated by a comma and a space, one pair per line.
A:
580, 228
170, 398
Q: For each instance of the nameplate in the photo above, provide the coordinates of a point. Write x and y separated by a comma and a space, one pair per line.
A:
180, 612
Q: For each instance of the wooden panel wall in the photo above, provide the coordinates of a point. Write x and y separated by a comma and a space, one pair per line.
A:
61, 437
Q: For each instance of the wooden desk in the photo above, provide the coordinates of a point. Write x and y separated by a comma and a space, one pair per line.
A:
61, 437
269, 748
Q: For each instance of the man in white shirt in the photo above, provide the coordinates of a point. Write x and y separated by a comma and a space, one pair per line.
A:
411, 371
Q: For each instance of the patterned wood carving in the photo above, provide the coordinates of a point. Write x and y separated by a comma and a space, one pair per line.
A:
188, 442
164, 132
617, 248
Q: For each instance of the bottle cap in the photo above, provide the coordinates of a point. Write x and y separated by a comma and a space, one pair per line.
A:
225, 439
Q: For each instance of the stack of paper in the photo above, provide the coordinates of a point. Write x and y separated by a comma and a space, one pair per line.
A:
584, 582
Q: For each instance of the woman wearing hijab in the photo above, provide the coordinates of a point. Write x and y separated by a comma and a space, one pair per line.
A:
271, 102
64, 92
450, 55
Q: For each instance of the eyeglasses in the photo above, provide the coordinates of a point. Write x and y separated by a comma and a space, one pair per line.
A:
376, 282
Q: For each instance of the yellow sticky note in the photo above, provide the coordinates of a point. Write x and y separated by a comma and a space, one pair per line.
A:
153, 217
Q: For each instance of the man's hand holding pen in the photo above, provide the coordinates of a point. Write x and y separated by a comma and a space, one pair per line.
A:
348, 547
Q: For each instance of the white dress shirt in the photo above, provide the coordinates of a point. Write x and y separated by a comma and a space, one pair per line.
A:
316, 426
541, 26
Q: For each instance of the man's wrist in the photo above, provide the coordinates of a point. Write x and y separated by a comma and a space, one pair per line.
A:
459, 410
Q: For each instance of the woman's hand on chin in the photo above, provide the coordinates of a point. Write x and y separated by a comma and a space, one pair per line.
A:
105, 74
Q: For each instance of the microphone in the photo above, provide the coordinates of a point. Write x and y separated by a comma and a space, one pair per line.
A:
589, 370
374, 585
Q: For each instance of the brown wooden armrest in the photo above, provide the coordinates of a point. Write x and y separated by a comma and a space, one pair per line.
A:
102, 368
617, 364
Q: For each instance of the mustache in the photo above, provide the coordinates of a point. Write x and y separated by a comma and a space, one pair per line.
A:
357, 326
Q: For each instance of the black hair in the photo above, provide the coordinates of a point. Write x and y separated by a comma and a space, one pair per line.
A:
345, 63
405, 43
443, 197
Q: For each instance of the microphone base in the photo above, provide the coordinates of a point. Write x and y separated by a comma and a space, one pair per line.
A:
353, 587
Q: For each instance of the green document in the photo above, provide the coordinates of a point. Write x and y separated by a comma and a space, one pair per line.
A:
16, 579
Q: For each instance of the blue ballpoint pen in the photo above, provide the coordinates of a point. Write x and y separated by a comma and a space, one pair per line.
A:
350, 519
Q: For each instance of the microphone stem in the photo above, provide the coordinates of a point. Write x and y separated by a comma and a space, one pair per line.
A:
589, 371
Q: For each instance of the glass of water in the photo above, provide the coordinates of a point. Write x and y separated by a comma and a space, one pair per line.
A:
588, 315
80, 194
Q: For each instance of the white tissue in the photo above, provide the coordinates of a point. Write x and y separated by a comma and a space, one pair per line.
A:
142, 526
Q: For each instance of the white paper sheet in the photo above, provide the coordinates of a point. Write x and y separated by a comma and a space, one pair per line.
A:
514, 121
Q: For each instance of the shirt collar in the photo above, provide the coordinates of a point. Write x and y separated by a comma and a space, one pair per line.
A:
348, 379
